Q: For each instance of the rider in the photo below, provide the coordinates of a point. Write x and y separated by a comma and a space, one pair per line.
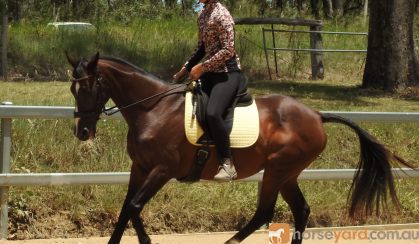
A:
220, 75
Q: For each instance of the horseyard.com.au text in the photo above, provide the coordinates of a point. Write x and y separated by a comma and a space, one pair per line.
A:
280, 233
367, 235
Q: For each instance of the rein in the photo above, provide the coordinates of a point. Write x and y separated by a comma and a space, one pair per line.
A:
111, 111
106, 110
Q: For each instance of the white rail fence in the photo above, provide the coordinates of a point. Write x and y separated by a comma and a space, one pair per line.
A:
9, 112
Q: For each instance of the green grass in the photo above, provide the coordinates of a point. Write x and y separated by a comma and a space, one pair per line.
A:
38, 52
162, 46
49, 146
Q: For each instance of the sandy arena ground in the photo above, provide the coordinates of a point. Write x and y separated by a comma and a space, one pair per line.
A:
345, 235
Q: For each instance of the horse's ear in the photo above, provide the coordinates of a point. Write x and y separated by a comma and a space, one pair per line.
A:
93, 61
71, 60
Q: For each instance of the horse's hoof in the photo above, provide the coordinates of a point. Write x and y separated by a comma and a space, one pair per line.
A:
232, 242
112, 241
145, 240
296, 241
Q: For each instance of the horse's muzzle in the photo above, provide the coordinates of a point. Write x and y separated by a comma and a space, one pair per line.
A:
83, 132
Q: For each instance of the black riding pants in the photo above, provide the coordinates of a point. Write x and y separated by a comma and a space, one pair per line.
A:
221, 89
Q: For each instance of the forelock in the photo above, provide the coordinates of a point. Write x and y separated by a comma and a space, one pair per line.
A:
79, 70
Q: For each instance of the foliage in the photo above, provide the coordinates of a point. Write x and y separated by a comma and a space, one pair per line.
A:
161, 47
38, 52
129, 10
161, 38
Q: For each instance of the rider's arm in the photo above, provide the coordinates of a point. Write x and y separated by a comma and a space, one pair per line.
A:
197, 56
226, 40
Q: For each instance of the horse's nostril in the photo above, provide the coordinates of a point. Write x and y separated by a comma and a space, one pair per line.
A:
85, 131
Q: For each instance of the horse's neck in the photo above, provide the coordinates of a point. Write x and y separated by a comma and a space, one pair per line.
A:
128, 87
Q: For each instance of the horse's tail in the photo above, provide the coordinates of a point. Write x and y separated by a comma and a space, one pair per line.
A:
373, 176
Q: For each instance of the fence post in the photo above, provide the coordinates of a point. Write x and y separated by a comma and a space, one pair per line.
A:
365, 11
274, 46
266, 53
316, 42
6, 142
4, 37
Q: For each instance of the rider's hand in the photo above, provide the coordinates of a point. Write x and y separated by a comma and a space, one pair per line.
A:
181, 73
196, 72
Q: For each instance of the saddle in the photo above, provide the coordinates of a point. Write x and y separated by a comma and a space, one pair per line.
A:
241, 117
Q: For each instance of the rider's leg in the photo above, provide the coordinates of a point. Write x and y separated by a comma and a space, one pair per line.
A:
221, 97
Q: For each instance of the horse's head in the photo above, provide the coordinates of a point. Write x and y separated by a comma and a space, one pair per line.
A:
90, 94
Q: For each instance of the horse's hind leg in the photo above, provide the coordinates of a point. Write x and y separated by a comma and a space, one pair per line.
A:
157, 178
265, 209
300, 210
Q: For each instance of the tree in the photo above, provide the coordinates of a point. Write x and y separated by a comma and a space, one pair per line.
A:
262, 5
170, 3
278, 4
187, 6
391, 60
300, 5
13, 7
327, 8
353, 6
281, 4
4, 37
337, 7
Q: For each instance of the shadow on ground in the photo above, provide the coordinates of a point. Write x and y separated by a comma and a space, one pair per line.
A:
317, 90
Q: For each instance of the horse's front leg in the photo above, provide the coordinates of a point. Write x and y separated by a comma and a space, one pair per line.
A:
155, 180
137, 179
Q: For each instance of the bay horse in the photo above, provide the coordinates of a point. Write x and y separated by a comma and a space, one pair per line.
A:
291, 137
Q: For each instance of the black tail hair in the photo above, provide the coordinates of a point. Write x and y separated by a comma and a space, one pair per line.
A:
373, 177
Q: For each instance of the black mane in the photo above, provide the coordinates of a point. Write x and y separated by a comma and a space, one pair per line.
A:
135, 67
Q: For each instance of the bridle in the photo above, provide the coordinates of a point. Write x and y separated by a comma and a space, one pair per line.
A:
115, 109
99, 106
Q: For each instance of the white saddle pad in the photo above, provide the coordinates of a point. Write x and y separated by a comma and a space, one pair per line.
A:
245, 130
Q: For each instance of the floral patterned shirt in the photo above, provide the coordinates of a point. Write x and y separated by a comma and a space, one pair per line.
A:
215, 40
